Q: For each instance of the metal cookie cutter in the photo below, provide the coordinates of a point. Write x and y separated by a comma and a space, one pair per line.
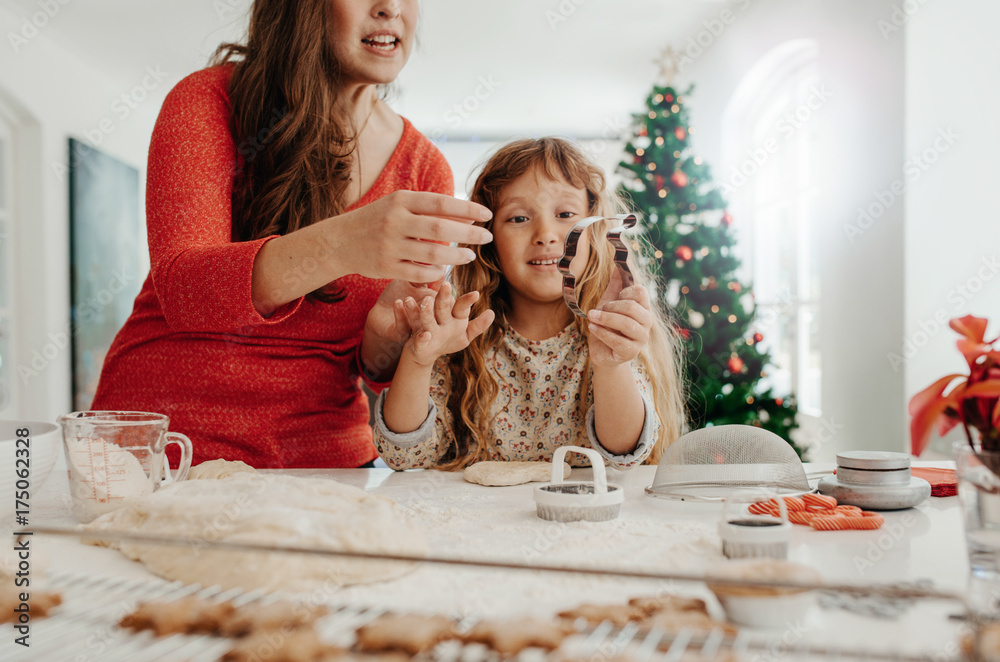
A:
621, 256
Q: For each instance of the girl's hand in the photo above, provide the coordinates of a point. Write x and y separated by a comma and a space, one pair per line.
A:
619, 328
386, 320
440, 325
406, 235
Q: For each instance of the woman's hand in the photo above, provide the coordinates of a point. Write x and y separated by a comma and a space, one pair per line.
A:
619, 328
406, 235
391, 238
440, 324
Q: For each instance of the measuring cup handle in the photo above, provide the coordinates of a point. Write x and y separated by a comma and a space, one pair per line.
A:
186, 453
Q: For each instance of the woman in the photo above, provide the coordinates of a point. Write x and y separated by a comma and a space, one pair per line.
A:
282, 195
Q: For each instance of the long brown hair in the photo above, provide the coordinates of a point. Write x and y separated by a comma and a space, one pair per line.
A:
295, 141
473, 385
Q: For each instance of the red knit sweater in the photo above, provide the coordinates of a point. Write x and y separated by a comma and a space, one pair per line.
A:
277, 392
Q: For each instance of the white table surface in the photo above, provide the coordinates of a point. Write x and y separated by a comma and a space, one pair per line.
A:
915, 544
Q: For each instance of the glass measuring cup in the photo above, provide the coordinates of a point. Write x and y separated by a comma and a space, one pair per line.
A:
116, 455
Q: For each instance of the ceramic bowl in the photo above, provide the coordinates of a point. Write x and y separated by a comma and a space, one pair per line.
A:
764, 607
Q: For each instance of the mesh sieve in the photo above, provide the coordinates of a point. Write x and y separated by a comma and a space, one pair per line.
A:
712, 463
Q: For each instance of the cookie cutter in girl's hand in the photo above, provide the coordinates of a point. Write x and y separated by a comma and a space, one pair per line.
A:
621, 256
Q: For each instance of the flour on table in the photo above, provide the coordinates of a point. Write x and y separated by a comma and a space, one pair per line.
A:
259, 508
469, 527
101, 476
495, 474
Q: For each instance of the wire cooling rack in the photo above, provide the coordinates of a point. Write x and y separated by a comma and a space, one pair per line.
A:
84, 628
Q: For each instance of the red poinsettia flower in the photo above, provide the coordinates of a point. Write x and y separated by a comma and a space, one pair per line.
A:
973, 401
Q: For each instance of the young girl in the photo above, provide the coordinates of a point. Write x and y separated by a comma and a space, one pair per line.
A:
512, 373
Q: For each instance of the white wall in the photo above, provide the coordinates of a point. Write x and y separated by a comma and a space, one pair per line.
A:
862, 282
54, 95
951, 238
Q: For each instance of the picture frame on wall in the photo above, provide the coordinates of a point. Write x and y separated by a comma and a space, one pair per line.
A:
104, 232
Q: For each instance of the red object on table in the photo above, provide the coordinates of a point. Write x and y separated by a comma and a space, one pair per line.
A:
944, 482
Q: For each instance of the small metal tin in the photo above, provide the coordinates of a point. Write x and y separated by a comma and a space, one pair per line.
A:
873, 460
877, 480
863, 477
879, 497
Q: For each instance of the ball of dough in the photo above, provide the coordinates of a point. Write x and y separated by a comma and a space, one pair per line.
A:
215, 469
495, 474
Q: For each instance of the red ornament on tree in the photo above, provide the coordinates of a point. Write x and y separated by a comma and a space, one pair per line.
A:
680, 133
684, 252
779, 401
668, 98
679, 179
735, 364
682, 332
735, 287
659, 181
757, 337
727, 219
642, 130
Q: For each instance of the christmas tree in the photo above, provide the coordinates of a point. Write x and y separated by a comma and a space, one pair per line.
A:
692, 245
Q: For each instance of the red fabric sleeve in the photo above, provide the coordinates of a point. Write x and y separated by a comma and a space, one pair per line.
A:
202, 279
437, 176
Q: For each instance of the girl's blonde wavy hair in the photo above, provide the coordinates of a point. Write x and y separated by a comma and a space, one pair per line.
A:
473, 385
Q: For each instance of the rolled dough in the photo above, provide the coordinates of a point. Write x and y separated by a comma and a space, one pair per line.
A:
263, 508
495, 474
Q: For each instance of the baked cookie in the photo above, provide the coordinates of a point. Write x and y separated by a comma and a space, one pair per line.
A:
187, 615
279, 615
617, 615
40, 603
650, 605
411, 633
675, 621
511, 637
300, 645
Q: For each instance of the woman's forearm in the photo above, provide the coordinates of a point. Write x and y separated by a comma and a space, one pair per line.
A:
405, 407
295, 264
619, 413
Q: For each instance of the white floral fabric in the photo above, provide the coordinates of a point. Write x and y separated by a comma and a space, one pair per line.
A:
536, 410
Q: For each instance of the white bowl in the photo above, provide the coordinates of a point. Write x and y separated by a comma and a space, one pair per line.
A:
764, 607
38, 449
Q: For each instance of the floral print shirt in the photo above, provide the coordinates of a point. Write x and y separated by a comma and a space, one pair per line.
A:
536, 410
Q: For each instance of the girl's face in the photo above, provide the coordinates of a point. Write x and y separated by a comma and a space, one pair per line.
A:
372, 39
530, 224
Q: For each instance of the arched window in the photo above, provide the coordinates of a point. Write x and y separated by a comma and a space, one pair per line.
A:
770, 145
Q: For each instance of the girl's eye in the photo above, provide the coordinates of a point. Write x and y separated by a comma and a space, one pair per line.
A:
518, 219
567, 214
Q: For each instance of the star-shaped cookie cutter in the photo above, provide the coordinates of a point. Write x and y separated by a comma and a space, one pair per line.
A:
621, 256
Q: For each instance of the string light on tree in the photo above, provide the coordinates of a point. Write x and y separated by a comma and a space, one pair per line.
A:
686, 216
